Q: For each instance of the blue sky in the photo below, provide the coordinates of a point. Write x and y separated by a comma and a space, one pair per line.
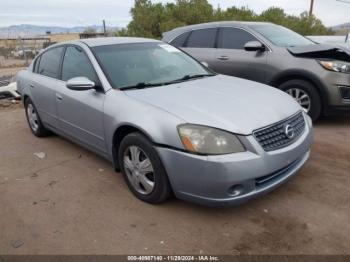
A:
116, 12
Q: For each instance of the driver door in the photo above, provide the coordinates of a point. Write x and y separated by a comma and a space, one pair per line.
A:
80, 113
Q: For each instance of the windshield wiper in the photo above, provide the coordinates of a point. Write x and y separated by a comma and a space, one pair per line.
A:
140, 85
188, 77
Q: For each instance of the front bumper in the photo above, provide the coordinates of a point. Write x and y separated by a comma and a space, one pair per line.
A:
337, 86
212, 180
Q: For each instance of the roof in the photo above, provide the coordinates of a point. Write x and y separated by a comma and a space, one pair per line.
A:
221, 23
115, 40
170, 35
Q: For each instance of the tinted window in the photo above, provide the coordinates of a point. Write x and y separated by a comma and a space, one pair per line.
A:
76, 64
234, 38
180, 40
203, 38
50, 62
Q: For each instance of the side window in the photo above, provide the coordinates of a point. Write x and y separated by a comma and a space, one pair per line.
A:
50, 62
36, 65
202, 38
76, 63
180, 40
234, 38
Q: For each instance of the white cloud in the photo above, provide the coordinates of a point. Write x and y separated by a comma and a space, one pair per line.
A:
116, 12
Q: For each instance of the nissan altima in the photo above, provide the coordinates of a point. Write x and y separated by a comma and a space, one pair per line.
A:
169, 124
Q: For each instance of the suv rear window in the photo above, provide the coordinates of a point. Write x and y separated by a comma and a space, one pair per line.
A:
50, 62
234, 38
202, 38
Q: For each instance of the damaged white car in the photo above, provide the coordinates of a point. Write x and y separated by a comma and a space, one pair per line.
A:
8, 89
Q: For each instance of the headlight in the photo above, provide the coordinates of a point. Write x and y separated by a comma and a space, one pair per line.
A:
336, 66
209, 141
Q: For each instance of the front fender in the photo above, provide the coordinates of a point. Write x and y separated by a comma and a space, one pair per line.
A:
158, 125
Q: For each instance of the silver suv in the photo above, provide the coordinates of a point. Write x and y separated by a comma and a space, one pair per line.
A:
316, 75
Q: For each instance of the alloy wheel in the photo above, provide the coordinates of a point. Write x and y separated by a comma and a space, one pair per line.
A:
32, 117
301, 97
139, 170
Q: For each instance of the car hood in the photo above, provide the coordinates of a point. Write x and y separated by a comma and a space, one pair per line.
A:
233, 104
329, 51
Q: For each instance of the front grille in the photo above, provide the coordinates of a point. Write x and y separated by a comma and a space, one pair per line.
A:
275, 136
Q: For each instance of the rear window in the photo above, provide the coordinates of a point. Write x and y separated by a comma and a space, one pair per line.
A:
202, 38
50, 62
36, 65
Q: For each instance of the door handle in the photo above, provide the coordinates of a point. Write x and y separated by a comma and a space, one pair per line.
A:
31, 85
223, 57
59, 97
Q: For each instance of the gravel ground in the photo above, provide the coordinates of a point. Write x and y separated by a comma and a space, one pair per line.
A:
72, 202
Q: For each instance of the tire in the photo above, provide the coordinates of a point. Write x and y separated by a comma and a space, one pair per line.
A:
141, 185
309, 89
37, 127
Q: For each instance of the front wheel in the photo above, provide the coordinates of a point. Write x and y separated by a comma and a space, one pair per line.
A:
306, 95
143, 170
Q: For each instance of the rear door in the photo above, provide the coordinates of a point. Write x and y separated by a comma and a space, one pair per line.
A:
44, 81
201, 44
232, 59
80, 113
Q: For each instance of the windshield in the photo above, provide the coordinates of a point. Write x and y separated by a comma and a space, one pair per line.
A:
281, 36
146, 64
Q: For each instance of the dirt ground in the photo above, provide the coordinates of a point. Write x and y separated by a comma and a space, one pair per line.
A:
11, 71
72, 202
12, 62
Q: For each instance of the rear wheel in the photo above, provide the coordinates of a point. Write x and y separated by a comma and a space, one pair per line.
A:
143, 170
306, 95
34, 120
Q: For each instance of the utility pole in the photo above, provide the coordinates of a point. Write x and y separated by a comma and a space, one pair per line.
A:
104, 28
21, 41
311, 7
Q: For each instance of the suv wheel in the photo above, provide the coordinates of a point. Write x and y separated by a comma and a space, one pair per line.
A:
33, 119
306, 95
143, 170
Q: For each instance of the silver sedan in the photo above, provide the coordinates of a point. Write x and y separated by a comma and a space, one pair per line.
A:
166, 121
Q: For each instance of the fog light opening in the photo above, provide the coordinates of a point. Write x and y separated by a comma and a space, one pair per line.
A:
345, 92
236, 190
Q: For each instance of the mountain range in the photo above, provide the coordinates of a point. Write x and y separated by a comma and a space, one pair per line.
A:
25, 30
341, 26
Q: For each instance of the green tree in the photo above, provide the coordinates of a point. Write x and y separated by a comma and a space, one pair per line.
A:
152, 19
235, 14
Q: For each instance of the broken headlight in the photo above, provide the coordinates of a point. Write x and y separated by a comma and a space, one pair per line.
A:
336, 66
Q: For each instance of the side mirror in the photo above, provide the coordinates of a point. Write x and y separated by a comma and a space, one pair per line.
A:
205, 64
254, 46
80, 84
